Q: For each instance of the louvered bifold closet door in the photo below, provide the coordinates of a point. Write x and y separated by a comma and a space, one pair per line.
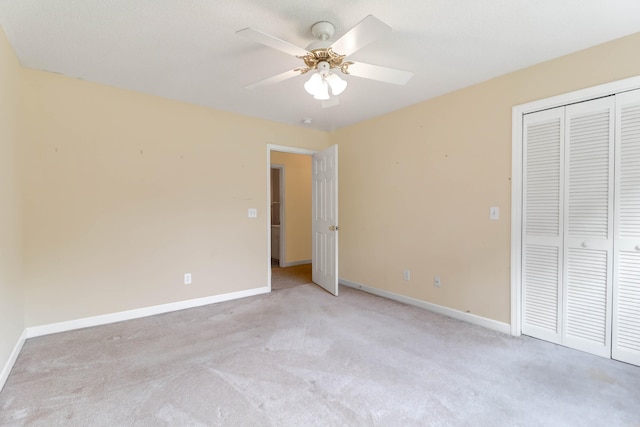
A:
626, 282
588, 249
542, 224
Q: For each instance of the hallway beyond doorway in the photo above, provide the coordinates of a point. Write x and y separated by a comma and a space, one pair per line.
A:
289, 277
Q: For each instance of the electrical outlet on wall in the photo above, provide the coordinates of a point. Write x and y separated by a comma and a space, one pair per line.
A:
407, 275
436, 281
187, 278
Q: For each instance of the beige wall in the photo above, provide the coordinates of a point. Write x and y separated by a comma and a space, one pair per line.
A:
11, 294
124, 192
297, 188
127, 192
416, 185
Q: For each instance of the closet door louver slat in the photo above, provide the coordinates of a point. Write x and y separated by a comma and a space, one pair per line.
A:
541, 292
542, 220
587, 295
588, 236
588, 174
626, 284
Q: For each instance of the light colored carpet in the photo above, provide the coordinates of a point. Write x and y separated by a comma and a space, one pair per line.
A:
301, 357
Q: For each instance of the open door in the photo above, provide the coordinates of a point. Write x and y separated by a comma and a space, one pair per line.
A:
325, 219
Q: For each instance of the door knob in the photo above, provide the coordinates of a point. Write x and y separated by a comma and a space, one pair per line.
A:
334, 228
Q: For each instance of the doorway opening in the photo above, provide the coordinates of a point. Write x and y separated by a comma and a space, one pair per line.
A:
290, 268
315, 240
290, 229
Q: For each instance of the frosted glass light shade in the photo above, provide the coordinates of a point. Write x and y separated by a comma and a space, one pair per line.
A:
337, 84
319, 83
323, 93
314, 84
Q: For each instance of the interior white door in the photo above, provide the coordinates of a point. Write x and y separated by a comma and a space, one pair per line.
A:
626, 282
588, 231
325, 219
542, 225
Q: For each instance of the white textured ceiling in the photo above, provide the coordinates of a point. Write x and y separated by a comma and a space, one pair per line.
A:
188, 50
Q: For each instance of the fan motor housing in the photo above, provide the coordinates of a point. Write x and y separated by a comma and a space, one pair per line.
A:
326, 55
323, 30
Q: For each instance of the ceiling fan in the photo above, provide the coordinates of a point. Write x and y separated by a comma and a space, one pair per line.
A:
323, 58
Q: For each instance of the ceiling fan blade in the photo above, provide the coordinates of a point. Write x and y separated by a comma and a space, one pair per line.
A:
383, 74
271, 41
274, 79
363, 33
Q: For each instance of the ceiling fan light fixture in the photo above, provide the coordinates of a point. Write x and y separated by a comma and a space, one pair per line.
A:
314, 84
337, 84
319, 83
320, 58
323, 93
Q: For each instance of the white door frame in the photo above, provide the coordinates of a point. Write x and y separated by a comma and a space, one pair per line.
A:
282, 249
282, 149
517, 117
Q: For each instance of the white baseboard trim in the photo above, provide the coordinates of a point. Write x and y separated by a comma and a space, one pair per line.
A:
456, 314
294, 263
53, 328
4, 375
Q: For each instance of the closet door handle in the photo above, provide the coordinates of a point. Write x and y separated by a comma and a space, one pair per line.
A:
584, 245
637, 248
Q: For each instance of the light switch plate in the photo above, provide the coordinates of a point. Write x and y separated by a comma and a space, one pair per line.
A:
253, 213
494, 213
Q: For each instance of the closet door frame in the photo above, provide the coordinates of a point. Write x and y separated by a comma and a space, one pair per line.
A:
517, 116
